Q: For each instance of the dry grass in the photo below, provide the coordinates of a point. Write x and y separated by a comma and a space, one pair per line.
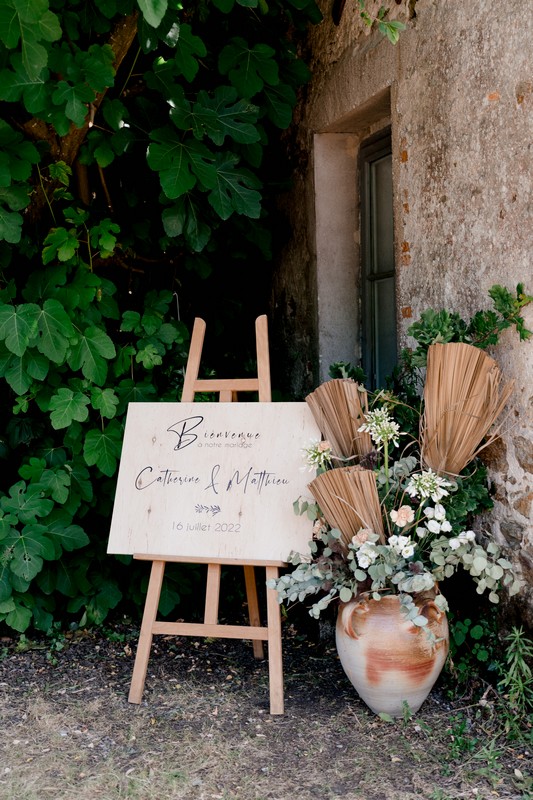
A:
338, 407
348, 498
204, 731
464, 395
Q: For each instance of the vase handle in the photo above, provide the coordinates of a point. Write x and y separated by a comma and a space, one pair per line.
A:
431, 610
347, 614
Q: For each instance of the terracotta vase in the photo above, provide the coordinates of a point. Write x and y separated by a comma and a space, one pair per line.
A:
388, 660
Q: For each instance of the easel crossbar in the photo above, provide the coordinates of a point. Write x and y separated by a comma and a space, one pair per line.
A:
216, 631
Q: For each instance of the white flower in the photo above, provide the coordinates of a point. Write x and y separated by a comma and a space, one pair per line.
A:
467, 536
408, 550
433, 526
438, 513
454, 543
381, 427
317, 455
421, 532
437, 521
398, 543
366, 554
428, 485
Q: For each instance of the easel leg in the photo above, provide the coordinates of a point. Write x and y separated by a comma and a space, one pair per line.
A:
212, 594
146, 635
253, 607
275, 657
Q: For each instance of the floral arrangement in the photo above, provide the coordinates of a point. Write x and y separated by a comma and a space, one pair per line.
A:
391, 509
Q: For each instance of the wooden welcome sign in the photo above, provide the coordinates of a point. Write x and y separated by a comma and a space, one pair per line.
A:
213, 481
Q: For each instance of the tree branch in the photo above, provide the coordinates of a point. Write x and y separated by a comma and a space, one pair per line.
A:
66, 148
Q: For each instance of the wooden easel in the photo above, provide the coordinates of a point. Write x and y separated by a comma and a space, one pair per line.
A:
227, 389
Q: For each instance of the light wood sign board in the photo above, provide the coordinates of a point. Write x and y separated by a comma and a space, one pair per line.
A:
213, 481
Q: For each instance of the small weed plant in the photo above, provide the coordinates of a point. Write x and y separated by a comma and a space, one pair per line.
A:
517, 683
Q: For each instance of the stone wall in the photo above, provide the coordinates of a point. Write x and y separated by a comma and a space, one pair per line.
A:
457, 91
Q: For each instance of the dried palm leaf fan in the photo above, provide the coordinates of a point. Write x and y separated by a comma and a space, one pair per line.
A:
337, 408
463, 398
348, 499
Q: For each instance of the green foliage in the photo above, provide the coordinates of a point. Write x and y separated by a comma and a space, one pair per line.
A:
461, 741
471, 495
343, 369
473, 647
71, 391
389, 28
483, 329
139, 157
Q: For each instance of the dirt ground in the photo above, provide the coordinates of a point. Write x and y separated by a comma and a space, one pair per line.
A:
204, 732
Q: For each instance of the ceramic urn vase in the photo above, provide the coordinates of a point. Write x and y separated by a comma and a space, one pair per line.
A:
388, 660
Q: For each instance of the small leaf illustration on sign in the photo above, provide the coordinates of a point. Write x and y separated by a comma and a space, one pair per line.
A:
213, 481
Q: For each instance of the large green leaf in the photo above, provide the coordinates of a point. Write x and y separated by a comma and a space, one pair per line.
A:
104, 235
80, 481
249, 67
56, 483
66, 406
189, 49
169, 156
35, 364
26, 502
114, 113
235, 118
26, 560
60, 243
105, 401
68, 537
9, 24
13, 370
124, 360
96, 66
153, 11
162, 79
81, 290
19, 618
15, 197
30, 22
90, 353
45, 283
55, 331
15, 84
73, 100
33, 470
233, 190
183, 218
102, 448
107, 597
218, 116
18, 326
131, 321
279, 102
10, 226
5, 581
149, 355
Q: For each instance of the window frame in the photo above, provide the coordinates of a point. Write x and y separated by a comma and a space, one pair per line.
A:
372, 150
